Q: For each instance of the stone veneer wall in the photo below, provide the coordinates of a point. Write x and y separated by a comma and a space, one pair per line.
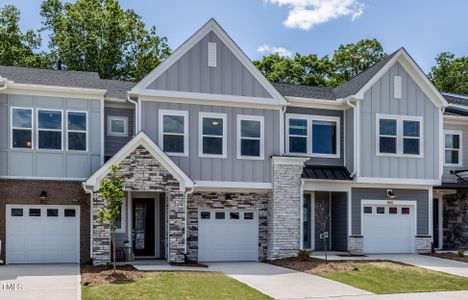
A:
356, 244
423, 244
284, 210
142, 172
207, 200
455, 220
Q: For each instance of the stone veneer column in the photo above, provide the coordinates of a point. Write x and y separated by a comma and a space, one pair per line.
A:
284, 209
101, 253
356, 244
176, 226
423, 244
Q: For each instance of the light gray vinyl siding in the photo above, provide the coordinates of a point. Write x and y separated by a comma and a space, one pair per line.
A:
446, 176
420, 196
349, 139
190, 73
50, 163
414, 102
321, 112
218, 169
112, 144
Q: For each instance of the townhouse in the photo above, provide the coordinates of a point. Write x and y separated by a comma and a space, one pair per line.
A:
221, 165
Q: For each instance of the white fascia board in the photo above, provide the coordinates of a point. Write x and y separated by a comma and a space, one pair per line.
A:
398, 181
141, 139
416, 74
231, 185
211, 25
53, 91
449, 119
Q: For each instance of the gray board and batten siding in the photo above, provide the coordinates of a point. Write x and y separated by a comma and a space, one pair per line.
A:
35, 163
414, 102
218, 169
112, 144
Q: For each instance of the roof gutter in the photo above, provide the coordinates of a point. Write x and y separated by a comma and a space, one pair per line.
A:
5, 84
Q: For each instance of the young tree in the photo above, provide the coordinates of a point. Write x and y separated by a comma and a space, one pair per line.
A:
101, 36
450, 74
322, 222
18, 48
111, 191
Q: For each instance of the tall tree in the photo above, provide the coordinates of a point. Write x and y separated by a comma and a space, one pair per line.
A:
101, 36
18, 48
351, 59
450, 74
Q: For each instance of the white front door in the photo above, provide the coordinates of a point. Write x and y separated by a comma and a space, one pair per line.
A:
42, 234
227, 235
388, 228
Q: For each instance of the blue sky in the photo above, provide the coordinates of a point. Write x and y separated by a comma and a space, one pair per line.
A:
423, 27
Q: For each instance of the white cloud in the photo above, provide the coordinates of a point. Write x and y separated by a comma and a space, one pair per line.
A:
305, 14
267, 49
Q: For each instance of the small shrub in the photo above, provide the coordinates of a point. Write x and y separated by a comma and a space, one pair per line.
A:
461, 253
304, 254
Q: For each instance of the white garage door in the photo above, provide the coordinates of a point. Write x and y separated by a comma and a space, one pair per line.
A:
388, 228
227, 235
42, 234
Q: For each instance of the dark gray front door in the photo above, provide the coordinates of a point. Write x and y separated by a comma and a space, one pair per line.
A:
143, 227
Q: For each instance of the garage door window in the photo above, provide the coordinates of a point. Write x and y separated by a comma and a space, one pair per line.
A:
220, 215
405, 210
16, 212
367, 209
205, 215
34, 212
69, 213
248, 216
380, 210
234, 215
393, 210
52, 212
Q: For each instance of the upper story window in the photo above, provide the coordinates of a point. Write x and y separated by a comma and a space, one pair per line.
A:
21, 128
77, 130
212, 129
173, 133
117, 126
453, 148
250, 142
49, 129
317, 136
399, 135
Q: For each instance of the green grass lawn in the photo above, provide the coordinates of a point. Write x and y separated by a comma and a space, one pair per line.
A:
390, 278
173, 285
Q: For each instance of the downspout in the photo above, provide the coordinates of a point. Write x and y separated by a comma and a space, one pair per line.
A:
185, 221
355, 130
5, 84
136, 113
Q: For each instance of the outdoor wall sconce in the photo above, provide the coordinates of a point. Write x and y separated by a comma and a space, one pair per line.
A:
228, 200
391, 194
43, 197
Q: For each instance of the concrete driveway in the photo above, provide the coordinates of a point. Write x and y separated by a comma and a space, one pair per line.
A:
51, 282
428, 262
282, 283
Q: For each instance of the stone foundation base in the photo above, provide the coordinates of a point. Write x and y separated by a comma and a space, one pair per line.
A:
356, 244
423, 244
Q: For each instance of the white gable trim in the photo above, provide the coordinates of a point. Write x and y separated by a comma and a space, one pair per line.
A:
211, 25
414, 71
141, 139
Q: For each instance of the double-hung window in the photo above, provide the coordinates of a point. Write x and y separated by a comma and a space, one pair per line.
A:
453, 148
399, 136
173, 132
212, 129
21, 128
77, 131
316, 136
250, 137
49, 129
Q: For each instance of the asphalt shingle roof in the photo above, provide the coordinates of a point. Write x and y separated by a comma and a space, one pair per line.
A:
305, 91
459, 99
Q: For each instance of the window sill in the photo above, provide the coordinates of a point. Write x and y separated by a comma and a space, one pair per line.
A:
251, 157
176, 154
399, 155
212, 156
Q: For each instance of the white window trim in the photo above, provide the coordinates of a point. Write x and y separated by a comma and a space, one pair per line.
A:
123, 216
310, 119
399, 136
79, 131
52, 130
117, 118
165, 112
260, 119
460, 149
12, 127
203, 115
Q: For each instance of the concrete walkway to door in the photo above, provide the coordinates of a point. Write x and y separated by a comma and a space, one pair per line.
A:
282, 283
40, 281
428, 262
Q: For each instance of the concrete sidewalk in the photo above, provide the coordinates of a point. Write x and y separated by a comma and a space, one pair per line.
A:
41, 281
460, 295
282, 283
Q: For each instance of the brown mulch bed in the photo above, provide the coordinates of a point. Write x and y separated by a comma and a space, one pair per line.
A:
92, 274
449, 255
316, 266
189, 264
